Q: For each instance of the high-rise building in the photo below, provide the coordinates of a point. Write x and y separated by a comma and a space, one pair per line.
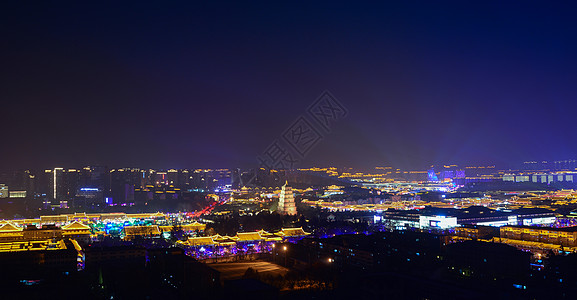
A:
58, 190
3, 191
286, 202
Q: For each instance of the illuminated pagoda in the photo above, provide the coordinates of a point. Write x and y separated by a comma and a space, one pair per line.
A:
286, 203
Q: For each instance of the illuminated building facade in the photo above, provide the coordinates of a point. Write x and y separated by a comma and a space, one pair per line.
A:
17, 194
445, 218
242, 243
477, 232
286, 202
558, 236
3, 191
541, 177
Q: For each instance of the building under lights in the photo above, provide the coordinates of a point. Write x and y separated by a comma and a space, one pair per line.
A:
566, 236
446, 218
286, 202
541, 177
3, 191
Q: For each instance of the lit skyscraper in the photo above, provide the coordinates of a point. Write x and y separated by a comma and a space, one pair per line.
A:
57, 184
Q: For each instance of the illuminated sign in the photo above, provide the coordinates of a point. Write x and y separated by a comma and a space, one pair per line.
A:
438, 222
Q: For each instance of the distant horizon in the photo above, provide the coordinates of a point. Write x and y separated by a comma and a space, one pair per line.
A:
376, 167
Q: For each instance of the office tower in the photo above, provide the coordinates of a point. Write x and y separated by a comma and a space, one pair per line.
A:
3, 191
58, 190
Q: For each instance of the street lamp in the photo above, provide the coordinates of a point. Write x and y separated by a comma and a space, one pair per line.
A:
285, 255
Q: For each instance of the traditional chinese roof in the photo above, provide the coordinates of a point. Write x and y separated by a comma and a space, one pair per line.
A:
288, 232
76, 226
224, 240
109, 216
142, 230
7, 227
200, 241
196, 224
249, 236
186, 227
145, 215
265, 234
270, 237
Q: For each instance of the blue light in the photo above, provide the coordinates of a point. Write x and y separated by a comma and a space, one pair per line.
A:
519, 286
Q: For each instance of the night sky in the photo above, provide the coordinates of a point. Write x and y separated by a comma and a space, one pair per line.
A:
193, 85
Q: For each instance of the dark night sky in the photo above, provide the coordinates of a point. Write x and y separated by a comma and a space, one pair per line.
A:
212, 85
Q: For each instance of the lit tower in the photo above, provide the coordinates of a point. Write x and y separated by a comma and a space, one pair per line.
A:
57, 184
286, 202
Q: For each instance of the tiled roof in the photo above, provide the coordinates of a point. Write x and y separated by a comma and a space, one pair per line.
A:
142, 230
200, 241
76, 226
292, 232
7, 227
249, 236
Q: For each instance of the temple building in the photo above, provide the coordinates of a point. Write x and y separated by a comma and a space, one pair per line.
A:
243, 243
286, 202
149, 231
77, 231
189, 229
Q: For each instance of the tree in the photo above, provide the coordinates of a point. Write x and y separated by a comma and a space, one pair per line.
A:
177, 233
